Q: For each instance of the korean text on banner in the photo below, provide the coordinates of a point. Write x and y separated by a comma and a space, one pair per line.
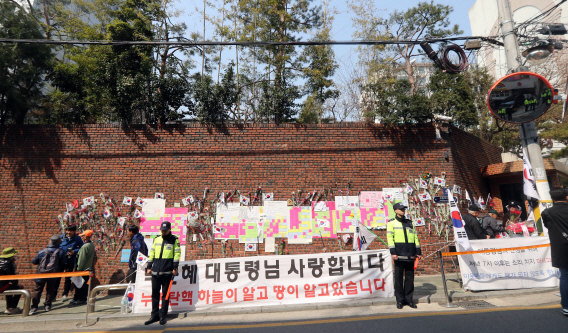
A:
273, 280
531, 268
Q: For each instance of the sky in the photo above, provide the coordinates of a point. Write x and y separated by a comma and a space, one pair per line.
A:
342, 26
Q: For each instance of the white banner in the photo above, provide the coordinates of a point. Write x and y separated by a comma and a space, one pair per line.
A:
531, 268
273, 280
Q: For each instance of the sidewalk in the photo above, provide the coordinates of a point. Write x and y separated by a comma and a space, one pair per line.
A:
428, 290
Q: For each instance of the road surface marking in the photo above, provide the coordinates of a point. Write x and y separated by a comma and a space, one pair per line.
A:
327, 321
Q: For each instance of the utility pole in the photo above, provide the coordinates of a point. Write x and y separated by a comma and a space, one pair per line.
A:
203, 47
529, 136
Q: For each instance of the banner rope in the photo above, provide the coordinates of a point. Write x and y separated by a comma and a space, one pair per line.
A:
433, 253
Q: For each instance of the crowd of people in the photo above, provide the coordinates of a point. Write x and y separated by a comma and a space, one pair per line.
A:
70, 252
486, 227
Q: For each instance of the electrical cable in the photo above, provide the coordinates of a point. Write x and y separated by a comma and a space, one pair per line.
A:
448, 65
489, 39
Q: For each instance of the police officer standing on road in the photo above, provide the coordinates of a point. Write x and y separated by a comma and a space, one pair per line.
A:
404, 248
163, 265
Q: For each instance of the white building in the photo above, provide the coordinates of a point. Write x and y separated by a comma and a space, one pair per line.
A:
484, 16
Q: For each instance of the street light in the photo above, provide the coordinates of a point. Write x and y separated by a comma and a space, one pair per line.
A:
536, 55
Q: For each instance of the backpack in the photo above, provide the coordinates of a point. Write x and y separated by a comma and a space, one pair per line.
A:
143, 248
49, 261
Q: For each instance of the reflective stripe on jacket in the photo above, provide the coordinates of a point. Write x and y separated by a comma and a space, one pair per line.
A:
402, 239
164, 255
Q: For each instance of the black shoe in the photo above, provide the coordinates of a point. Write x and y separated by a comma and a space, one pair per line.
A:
412, 305
163, 321
399, 305
152, 320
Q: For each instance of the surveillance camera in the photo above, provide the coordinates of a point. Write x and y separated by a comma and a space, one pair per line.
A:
443, 118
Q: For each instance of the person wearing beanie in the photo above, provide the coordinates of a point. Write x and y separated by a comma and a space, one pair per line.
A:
8, 267
49, 260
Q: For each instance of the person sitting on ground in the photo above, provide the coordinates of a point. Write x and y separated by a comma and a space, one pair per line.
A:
490, 224
136, 245
49, 260
8, 267
84, 263
472, 227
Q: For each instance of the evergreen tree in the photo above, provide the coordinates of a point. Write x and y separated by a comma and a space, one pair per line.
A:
212, 103
22, 66
123, 83
319, 85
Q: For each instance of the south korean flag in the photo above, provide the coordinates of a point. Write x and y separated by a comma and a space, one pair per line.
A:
460, 234
362, 237
141, 259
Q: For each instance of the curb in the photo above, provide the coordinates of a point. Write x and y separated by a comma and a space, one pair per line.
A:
435, 298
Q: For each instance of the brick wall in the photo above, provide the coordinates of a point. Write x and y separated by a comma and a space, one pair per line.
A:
44, 167
470, 154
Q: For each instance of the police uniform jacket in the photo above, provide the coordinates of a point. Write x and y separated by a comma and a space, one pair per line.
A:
164, 255
402, 239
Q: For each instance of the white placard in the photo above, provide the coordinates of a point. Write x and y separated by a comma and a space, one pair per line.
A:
519, 269
269, 244
154, 208
346, 202
395, 192
228, 212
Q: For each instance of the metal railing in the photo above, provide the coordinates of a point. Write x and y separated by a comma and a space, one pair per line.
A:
27, 298
103, 287
448, 299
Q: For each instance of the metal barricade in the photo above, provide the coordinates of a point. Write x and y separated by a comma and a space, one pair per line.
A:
448, 300
103, 287
27, 298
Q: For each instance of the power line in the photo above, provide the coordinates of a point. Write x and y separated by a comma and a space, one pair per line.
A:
235, 43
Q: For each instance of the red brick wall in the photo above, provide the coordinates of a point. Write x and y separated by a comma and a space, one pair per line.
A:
470, 154
44, 167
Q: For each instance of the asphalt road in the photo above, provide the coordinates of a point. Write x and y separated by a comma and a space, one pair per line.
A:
541, 319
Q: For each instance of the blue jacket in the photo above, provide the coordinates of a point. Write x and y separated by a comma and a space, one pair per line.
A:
60, 264
75, 243
136, 245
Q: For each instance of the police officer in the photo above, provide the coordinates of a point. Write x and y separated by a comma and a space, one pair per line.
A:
404, 248
163, 265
